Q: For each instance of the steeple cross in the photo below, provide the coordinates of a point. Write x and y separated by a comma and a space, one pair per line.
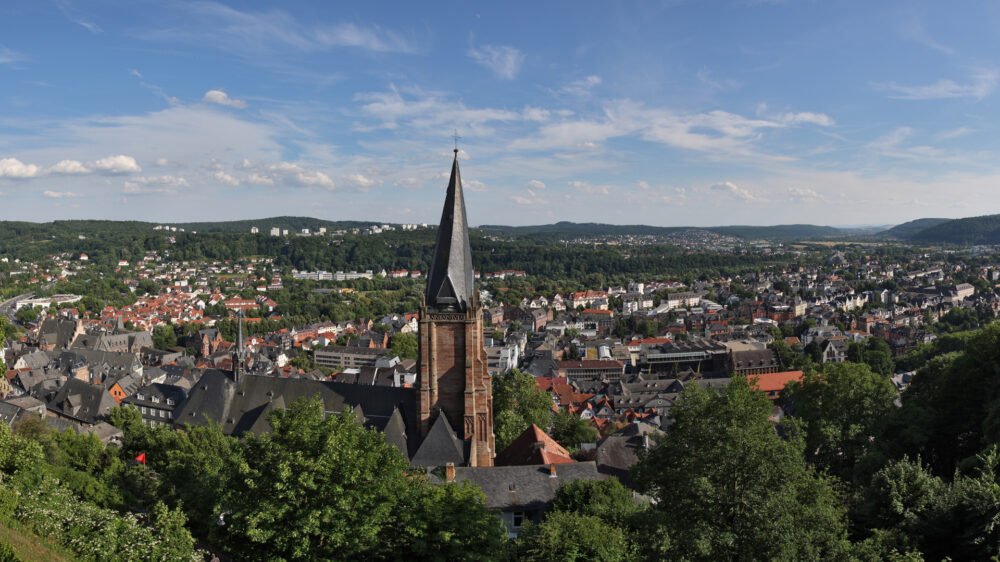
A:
456, 137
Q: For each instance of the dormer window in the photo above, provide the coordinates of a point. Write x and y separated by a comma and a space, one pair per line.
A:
156, 400
170, 401
139, 397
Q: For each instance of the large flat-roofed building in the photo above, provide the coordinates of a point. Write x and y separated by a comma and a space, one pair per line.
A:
591, 370
339, 356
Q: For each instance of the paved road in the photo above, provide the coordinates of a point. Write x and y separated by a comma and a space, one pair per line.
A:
7, 306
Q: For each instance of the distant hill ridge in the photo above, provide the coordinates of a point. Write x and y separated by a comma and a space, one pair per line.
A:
972, 230
576, 230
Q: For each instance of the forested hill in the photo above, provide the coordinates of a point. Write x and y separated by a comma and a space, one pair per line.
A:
972, 230
565, 230
291, 224
907, 230
779, 232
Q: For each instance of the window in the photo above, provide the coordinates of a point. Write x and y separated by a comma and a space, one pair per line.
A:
139, 397
518, 519
143, 409
170, 401
156, 400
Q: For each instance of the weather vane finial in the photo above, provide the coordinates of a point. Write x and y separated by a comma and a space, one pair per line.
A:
456, 137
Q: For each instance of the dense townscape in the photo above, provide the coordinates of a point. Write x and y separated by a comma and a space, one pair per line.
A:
207, 405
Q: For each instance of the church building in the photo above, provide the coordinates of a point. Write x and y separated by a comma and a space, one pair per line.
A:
454, 384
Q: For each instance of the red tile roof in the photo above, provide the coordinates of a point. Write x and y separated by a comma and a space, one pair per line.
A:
774, 382
534, 446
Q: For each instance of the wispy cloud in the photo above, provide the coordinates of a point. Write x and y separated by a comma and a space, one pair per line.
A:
155, 185
7, 56
981, 84
581, 87
913, 29
59, 194
503, 60
955, 133
248, 33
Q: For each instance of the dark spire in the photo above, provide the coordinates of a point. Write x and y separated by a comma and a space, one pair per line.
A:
239, 356
450, 282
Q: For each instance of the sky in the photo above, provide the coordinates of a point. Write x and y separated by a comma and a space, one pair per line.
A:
675, 113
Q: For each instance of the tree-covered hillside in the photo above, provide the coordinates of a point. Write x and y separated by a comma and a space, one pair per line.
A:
907, 230
972, 230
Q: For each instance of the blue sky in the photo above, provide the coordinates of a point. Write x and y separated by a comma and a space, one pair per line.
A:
669, 113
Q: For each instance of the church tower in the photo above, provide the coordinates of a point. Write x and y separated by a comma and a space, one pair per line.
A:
239, 354
452, 378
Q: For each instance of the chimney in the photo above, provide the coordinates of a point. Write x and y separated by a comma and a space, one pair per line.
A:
449, 472
552, 471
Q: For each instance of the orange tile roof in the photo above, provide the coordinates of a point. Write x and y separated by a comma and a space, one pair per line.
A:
533, 446
774, 382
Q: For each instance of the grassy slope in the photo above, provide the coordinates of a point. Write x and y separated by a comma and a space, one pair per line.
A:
30, 547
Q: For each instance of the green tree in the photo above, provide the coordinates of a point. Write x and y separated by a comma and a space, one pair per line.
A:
570, 431
843, 408
323, 487
517, 404
405, 346
729, 487
570, 536
606, 499
164, 336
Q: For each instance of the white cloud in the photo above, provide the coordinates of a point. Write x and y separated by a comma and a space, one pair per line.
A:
802, 194
521, 200
982, 83
734, 190
586, 187
14, 168
408, 183
225, 178
361, 182
503, 60
582, 86
430, 111
300, 176
59, 194
259, 179
155, 184
245, 164
69, 167
536, 184
119, 164
820, 119
222, 98
474, 185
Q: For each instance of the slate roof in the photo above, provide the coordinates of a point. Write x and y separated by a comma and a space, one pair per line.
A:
450, 284
617, 452
441, 446
755, 359
239, 407
81, 401
509, 488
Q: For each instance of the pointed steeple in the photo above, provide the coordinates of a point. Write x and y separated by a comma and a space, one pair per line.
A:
239, 355
450, 283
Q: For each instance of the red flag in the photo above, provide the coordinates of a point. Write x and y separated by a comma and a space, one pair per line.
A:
141, 458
